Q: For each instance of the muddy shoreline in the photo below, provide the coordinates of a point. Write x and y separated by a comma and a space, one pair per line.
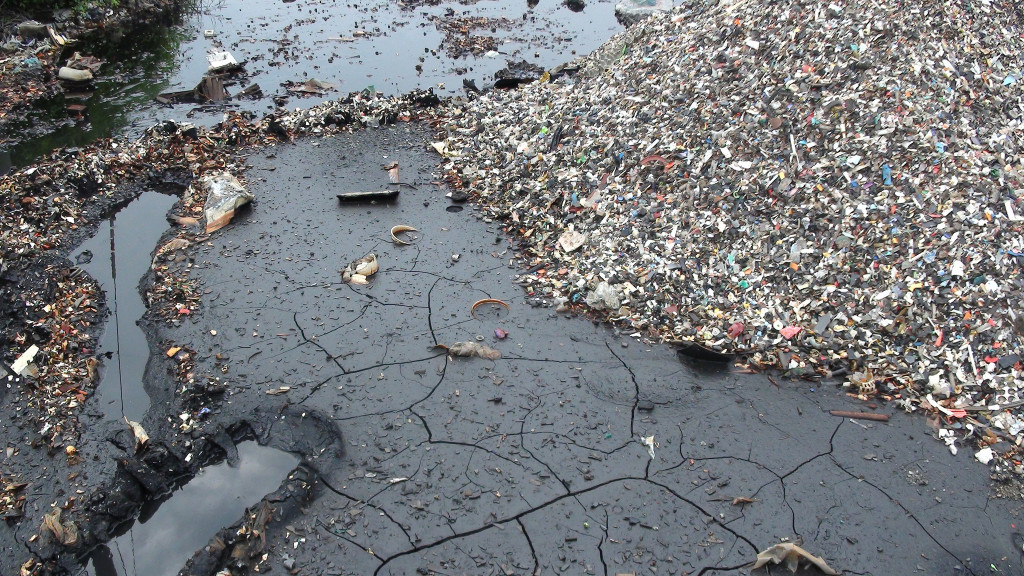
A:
308, 421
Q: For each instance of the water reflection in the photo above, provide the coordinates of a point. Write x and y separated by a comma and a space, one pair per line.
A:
160, 544
117, 257
138, 66
402, 50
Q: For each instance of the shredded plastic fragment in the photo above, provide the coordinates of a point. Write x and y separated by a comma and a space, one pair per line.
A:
791, 555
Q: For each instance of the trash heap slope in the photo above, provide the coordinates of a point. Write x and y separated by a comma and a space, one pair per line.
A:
827, 187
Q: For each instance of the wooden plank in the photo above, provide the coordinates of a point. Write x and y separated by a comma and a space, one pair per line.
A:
367, 196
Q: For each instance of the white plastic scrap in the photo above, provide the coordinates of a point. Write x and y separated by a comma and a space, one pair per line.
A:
949, 437
1008, 422
22, 363
937, 406
224, 195
604, 297
220, 59
649, 442
984, 455
571, 240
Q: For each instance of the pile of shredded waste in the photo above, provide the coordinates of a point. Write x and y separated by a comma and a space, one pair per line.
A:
826, 188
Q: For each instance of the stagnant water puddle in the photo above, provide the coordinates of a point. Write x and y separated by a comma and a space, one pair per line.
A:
117, 257
168, 533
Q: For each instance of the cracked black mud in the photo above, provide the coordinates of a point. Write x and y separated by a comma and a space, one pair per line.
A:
533, 463
414, 462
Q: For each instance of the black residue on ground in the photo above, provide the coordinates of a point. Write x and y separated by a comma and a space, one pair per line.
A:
415, 462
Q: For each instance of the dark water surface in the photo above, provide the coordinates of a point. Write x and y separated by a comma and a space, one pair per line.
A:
402, 50
118, 256
173, 529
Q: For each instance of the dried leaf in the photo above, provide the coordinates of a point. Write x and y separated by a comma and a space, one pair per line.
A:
51, 522
174, 244
184, 220
141, 438
90, 368
739, 501
791, 555
70, 533
66, 533
392, 170
468, 349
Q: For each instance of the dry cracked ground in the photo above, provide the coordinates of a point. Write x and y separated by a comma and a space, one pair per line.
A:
532, 463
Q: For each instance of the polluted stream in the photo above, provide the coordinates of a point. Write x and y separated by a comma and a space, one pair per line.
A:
383, 46
448, 422
173, 526
117, 102
558, 444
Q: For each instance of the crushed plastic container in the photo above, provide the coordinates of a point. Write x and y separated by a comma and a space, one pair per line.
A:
220, 60
224, 195
631, 11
